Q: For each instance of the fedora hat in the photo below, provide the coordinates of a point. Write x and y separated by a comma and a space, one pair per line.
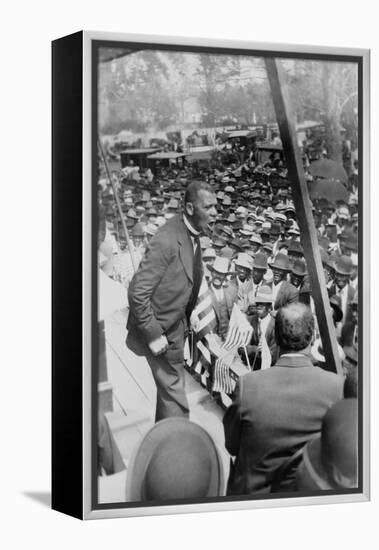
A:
131, 214
229, 188
221, 265
236, 242
331, 460
247, 230
260, 261
344, 265
244, 260
282, 262
299, 268
218, 243
227, 252
227, 230
295, 247
264, 295
176, 459
275, 228
138, 230
268, 247
282, 218
256, 239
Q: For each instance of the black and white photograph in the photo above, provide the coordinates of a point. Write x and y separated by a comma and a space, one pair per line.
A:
229, 270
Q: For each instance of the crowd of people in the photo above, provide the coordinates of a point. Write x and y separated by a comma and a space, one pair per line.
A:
235, 226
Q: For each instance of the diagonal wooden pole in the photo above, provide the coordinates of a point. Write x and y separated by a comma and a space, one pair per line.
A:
130, 245
303, 206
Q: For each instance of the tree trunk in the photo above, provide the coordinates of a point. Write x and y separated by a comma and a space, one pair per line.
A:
331, 83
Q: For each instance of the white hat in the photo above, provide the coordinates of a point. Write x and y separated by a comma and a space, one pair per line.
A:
343, 212
244, 260
209, 253
247, 229
221, 265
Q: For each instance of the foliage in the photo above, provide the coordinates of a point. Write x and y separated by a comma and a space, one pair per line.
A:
151, 91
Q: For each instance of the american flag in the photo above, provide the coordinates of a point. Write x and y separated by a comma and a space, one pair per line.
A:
222, 380
239, 335
203, 322
239, 331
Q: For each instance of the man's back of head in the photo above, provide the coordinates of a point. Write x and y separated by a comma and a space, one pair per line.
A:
294, 327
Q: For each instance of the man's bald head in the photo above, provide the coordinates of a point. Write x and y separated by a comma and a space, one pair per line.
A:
294, 327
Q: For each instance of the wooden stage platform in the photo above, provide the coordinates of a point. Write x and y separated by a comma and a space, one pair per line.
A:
134, 397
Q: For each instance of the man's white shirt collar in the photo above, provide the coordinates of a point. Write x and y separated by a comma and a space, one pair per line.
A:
193, 231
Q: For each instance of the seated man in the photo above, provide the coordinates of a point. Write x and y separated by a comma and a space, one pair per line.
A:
262, 350
277, 411
223, 297
283, 291
243, 281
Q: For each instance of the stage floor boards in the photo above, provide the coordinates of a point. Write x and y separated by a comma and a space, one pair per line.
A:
134, 397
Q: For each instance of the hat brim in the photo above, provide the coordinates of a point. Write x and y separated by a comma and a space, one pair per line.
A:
279, 268
225, 273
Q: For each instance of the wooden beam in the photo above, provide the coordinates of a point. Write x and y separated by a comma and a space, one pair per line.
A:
303, 206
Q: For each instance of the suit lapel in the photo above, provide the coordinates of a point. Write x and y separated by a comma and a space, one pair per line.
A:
186, 255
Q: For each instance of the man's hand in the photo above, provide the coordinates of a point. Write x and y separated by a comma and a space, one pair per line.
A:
159, 345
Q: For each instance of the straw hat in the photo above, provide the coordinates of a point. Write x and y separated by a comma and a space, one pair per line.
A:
244, 260
221, 265
209, 253
344, 265
264, 295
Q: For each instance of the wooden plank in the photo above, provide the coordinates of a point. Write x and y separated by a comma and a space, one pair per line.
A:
129, 395
139, 370
285, 119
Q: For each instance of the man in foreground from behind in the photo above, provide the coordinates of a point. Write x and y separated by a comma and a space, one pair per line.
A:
275, 412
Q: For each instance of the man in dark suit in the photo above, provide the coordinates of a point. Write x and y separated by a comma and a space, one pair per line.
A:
283, 291
276, 411
163, 293
262, 350
223, 296
343, 270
